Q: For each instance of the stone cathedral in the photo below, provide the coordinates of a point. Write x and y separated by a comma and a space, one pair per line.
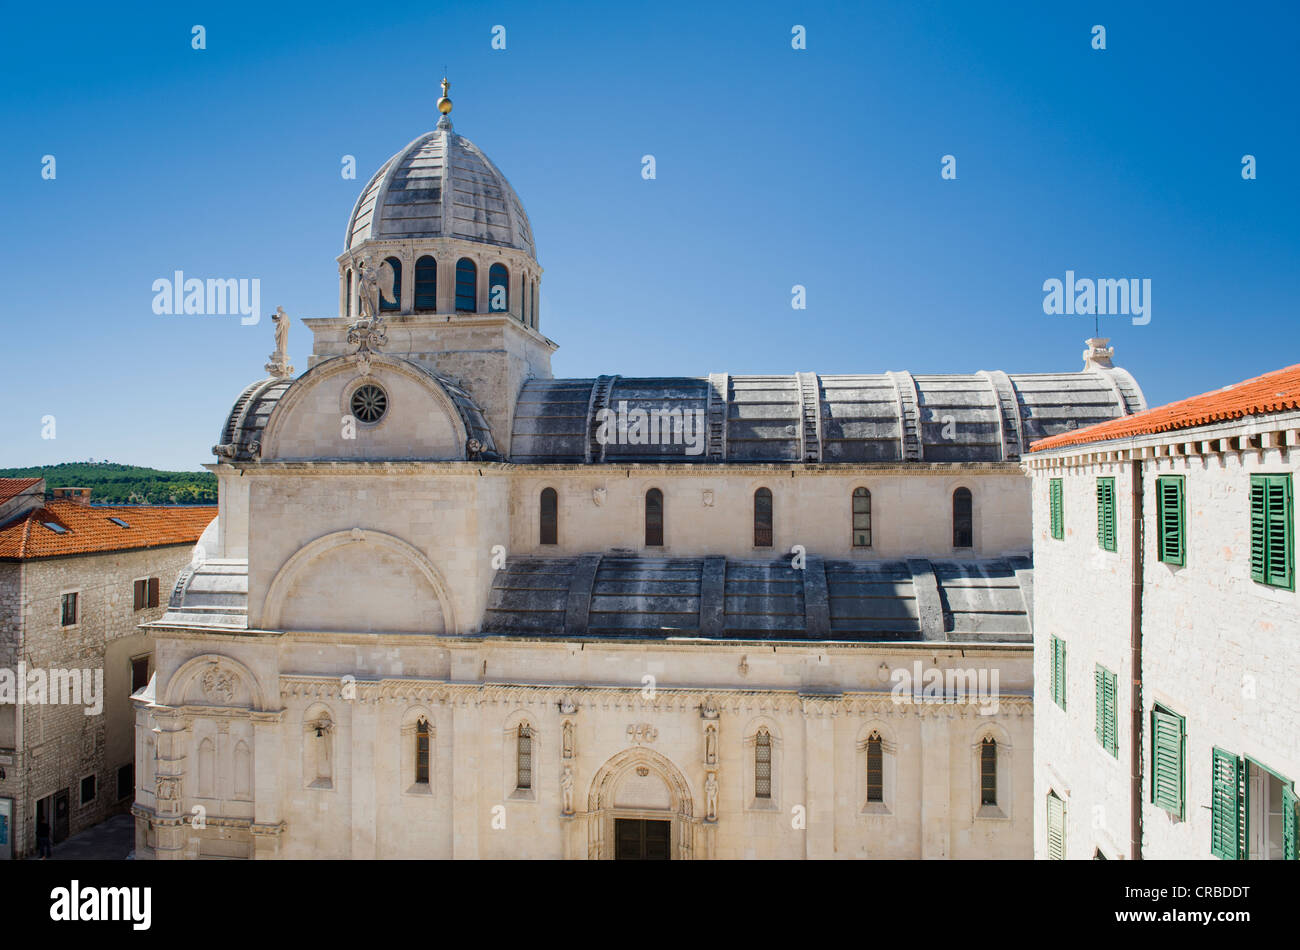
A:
453, 607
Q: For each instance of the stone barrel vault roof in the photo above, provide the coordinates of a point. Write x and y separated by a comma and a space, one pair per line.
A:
1277, 391
725, 599
440, 185
888, 417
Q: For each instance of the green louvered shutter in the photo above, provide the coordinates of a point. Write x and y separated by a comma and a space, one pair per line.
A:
1107, 726
1055, 828
1058, 518
1288, 823
1167, 737
1171, 519
1058, 671
1258, 543
1106, 513
1272, 544
1226, 806
1277, 509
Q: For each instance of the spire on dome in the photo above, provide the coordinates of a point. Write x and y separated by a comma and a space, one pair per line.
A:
444, 106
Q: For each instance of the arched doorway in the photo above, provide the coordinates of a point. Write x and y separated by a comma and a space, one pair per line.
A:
640, 806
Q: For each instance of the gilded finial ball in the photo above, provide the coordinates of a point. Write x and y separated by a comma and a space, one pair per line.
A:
444, 105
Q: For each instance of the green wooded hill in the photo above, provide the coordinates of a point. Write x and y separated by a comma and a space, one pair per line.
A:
114, 484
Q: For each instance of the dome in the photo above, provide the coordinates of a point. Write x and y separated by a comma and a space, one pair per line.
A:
441, 185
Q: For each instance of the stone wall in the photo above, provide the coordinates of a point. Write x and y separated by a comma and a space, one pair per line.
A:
57, 745
818, 702
1218, 648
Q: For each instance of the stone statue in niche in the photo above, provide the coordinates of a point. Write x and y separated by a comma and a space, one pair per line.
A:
711, 745
568, 739
566, 788
711, 797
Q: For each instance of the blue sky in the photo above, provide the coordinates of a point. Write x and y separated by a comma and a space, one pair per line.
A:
775, 167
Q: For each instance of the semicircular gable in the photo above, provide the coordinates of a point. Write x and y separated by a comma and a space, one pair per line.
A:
359, 581
427, 417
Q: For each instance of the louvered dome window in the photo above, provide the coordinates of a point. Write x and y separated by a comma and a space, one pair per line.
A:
466, 286
396, 302
498, 288
426, 284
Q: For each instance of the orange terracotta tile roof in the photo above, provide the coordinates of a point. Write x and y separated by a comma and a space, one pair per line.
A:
88, 529
1273, 392
10, 487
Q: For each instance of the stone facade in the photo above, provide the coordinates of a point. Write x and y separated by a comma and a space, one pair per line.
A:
48, 749
1217, 647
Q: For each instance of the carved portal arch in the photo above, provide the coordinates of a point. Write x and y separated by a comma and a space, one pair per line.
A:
273, 606
602, 810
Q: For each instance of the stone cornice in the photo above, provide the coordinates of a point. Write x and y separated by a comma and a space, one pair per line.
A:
353, 467
389, 691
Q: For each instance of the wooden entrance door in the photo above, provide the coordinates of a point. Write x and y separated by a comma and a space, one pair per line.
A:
641, 839
60, 824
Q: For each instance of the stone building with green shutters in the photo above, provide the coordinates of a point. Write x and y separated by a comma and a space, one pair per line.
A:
1167, 630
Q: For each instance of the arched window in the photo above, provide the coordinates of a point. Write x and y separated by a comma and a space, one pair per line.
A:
533, 307
524, 757
654, 518
550, 517
349, 297
962, 524
989, 771
763, 764
875, 768
498, 288
396, 302
466, 286
426, 284
763, 518
861, 518
422, 752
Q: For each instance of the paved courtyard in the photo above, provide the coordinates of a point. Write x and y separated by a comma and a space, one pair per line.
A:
111, 840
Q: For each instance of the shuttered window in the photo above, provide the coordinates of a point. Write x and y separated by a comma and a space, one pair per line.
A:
1055, 494
875, 769
1055, 828
1106, 513
1168, 733
763, 764
146, 593
1228, 807
1107, 726
1058, 671
1272, 545
1170, 520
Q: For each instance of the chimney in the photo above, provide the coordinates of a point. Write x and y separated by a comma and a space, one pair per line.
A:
80, 495
1097, 355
